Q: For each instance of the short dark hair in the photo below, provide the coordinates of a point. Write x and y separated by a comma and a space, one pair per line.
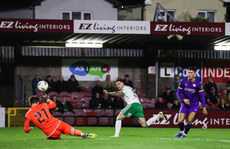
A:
33, 99
120, 79
126, 75
193, 68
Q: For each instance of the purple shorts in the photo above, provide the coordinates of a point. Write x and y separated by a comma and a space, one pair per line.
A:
193, 107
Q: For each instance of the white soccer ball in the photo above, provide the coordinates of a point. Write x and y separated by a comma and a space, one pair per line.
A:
42, 86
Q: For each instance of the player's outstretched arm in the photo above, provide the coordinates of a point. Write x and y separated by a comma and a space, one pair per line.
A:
27, 127
51, 104
118, 94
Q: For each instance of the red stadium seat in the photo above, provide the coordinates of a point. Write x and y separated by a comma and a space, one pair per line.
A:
81, 121
84, 89
75, 105
91, 113
92, 121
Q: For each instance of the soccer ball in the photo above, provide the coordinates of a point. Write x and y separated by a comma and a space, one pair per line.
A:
42, 86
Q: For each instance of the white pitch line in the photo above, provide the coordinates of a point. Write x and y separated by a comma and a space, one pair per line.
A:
184, 139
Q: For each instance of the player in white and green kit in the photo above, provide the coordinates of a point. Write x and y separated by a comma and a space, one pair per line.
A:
133, 107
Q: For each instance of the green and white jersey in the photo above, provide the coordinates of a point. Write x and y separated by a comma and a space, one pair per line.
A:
130, 95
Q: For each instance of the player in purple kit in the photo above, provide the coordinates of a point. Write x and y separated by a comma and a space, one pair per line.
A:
190, 91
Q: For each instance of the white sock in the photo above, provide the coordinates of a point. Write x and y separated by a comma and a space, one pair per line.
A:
151, 120
117, 127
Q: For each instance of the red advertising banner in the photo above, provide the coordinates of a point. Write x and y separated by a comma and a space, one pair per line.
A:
218, 70
214, 119
36, 25
188, 28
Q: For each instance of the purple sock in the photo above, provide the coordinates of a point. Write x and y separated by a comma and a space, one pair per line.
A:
181, 126
188, 126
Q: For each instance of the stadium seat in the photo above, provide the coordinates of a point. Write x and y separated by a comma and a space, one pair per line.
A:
86, 99
83, 105
81, 121
64, 93
69, 120
84, 89
68, 114
79, 112
87, 94
74, 104
76, 94
153, 101
145, 100
92, 121
109, 112
69, 99
53, 93
57, 114
91, 113
90, 89
103, 121
111, 121
142, 94
100, 112
146, 105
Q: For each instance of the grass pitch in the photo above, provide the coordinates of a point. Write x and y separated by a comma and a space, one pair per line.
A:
130, 138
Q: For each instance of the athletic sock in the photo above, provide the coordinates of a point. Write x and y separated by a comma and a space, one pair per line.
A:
118, 127
78, 133
187, 128
150, 121
181, 126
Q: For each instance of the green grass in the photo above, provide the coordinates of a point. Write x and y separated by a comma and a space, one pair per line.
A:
130, 138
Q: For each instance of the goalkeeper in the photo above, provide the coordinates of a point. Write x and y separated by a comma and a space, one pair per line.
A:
53, 128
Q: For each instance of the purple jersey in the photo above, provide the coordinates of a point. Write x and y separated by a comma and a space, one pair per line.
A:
191, 90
